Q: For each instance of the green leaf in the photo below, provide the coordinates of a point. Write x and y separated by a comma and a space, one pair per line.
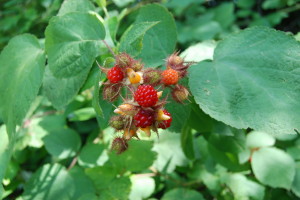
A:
252, 82
186, 141
5, 151
257, 139
96, 96
296, 182
273, 167
119, 188
72, 43
182, 193
142, 187
92, 155
198, 52
132, 40
244, 188
137, 157
48, 183
169, 151
82, 114
159, 41
62, 143
83, 184
108, 184
22, 64
76, 6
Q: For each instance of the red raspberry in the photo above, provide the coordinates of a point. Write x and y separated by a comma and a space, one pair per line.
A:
144, 118
146, 96
115, 74
166, 123
170, 77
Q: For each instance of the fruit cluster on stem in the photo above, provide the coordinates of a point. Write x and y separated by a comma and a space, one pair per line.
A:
143, 106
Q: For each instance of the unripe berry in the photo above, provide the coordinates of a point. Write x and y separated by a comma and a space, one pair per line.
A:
119, 145
180, 93
124, 60
111, 92
134, 77
152, 77
146, 96
174, 60
117, 122
137, 66
115, 75
170, 77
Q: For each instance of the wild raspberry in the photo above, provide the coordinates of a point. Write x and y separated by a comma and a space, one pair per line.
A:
146, 96
115, 74
166, 123
144, 118
170, 77
152, 77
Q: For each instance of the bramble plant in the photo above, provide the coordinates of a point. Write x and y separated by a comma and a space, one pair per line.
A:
125, 99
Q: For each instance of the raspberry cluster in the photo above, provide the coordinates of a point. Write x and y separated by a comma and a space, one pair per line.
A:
143, 108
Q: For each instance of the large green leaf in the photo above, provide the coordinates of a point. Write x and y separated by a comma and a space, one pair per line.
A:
160, 40
22, 66
4, 153
62, 143
137, 157
142, 187
253, 81
132, 40
273, 167
48, 183
76, 6
182, 193
72, 43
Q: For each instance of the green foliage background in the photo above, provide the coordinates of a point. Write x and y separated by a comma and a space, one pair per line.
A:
236, 138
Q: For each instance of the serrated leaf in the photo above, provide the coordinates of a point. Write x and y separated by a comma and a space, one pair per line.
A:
91, 155
75, 6
167, 159
22, 64
72, 43
273, 167
137, 157
182, 193
253, 81
159, 41
48, 183
132, 40
83, 184
62, 143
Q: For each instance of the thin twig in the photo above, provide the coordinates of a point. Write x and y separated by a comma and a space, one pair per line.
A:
109, 48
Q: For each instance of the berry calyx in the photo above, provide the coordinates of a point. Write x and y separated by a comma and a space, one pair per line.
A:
144, 118
137, 66
126, 109
170, 77
128, 134
115, 74
146, 96
166, 123
174, 60
180, 93
117, 122
119, 145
